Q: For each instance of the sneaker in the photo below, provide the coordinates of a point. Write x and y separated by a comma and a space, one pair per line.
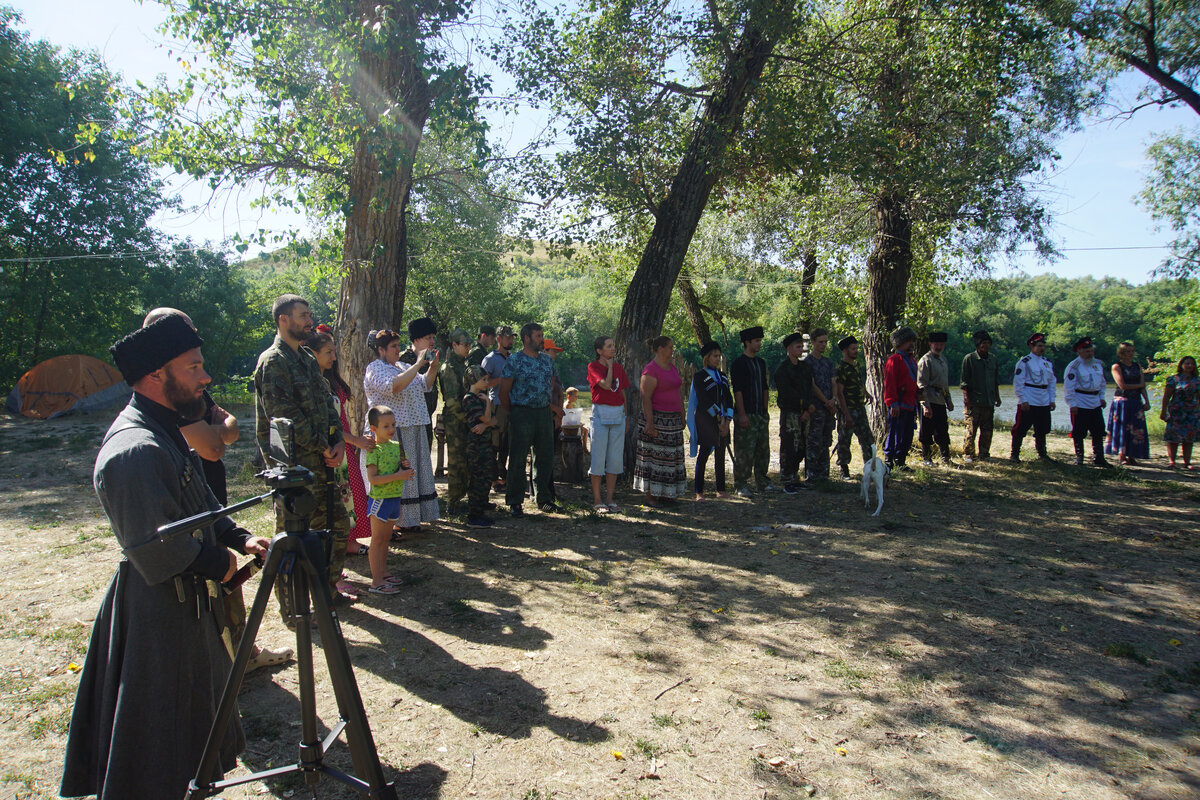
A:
770, 487
969, 459
516, 511
845, 473
927, 463
480, 521
791, 488
745, 493
550, 508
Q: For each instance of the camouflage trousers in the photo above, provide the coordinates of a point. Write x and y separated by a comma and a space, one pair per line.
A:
481, 460
325, 516
979, 419
858, 425
820, 439
793, 443
456, 461
752, 452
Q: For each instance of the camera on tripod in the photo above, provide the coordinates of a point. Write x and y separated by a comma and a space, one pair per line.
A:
283, 473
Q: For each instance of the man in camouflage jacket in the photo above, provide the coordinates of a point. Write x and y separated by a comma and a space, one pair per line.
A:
451, 377
289, 384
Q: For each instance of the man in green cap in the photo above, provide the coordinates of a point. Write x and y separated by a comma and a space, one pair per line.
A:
451, 376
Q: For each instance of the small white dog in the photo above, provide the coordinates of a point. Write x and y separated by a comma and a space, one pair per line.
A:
874, 472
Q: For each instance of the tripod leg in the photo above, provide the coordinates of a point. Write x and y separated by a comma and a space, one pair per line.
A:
201, 785
350, 706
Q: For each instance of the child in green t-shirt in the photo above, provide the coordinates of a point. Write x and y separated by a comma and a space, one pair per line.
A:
387, 470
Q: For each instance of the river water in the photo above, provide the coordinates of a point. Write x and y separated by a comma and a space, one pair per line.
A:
1060, 418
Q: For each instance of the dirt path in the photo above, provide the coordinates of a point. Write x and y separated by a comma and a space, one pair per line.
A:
999, 632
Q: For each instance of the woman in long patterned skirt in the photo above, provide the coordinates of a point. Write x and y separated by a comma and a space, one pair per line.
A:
1127, 435
1181, 411
658, 468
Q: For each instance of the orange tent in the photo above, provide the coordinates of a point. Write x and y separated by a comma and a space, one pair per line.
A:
67, 383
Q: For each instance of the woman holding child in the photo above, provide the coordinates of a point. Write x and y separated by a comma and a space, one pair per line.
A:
402, 388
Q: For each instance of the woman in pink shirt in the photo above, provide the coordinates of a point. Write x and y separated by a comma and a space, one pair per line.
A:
659, 469
608, 382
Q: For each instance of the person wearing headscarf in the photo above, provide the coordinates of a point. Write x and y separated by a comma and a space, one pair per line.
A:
1036, 387
900, 396
156, 666
851, 393
980, 385
709, 412
933, 380
1083, 390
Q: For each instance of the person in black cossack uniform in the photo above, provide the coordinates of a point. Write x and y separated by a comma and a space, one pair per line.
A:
710, 409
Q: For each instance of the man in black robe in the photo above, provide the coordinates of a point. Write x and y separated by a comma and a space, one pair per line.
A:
155, 666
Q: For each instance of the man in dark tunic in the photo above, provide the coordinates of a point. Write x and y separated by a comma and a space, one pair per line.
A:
794, 396
156, 665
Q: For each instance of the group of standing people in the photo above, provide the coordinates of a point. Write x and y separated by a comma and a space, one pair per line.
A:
163, 626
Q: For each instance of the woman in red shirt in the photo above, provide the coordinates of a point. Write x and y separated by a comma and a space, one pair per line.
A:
900, 397
608, 382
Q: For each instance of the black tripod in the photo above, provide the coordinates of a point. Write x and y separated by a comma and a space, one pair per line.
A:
297, 556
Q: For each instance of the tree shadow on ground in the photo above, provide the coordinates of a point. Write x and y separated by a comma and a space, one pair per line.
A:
1049, 618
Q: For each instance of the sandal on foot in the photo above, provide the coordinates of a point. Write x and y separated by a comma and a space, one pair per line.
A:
385, 588
269, 657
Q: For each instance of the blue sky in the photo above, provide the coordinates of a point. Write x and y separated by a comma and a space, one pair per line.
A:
1091, 192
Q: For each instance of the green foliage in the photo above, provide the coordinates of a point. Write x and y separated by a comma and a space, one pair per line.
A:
1172, 195
217, 296
75, 207
1182, 329
456, 238
285, 93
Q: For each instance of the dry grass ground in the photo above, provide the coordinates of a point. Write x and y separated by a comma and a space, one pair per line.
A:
999, 632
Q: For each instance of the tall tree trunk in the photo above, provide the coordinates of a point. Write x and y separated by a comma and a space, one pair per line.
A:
804, 321
679, 213
374, 246
889, 266
695, 313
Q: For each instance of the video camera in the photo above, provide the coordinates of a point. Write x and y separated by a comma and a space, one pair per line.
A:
282, 471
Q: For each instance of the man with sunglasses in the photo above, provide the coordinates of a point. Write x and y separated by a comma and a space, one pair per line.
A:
1035, 387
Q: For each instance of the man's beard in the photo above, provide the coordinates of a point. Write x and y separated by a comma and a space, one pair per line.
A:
187, 405
299, 331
